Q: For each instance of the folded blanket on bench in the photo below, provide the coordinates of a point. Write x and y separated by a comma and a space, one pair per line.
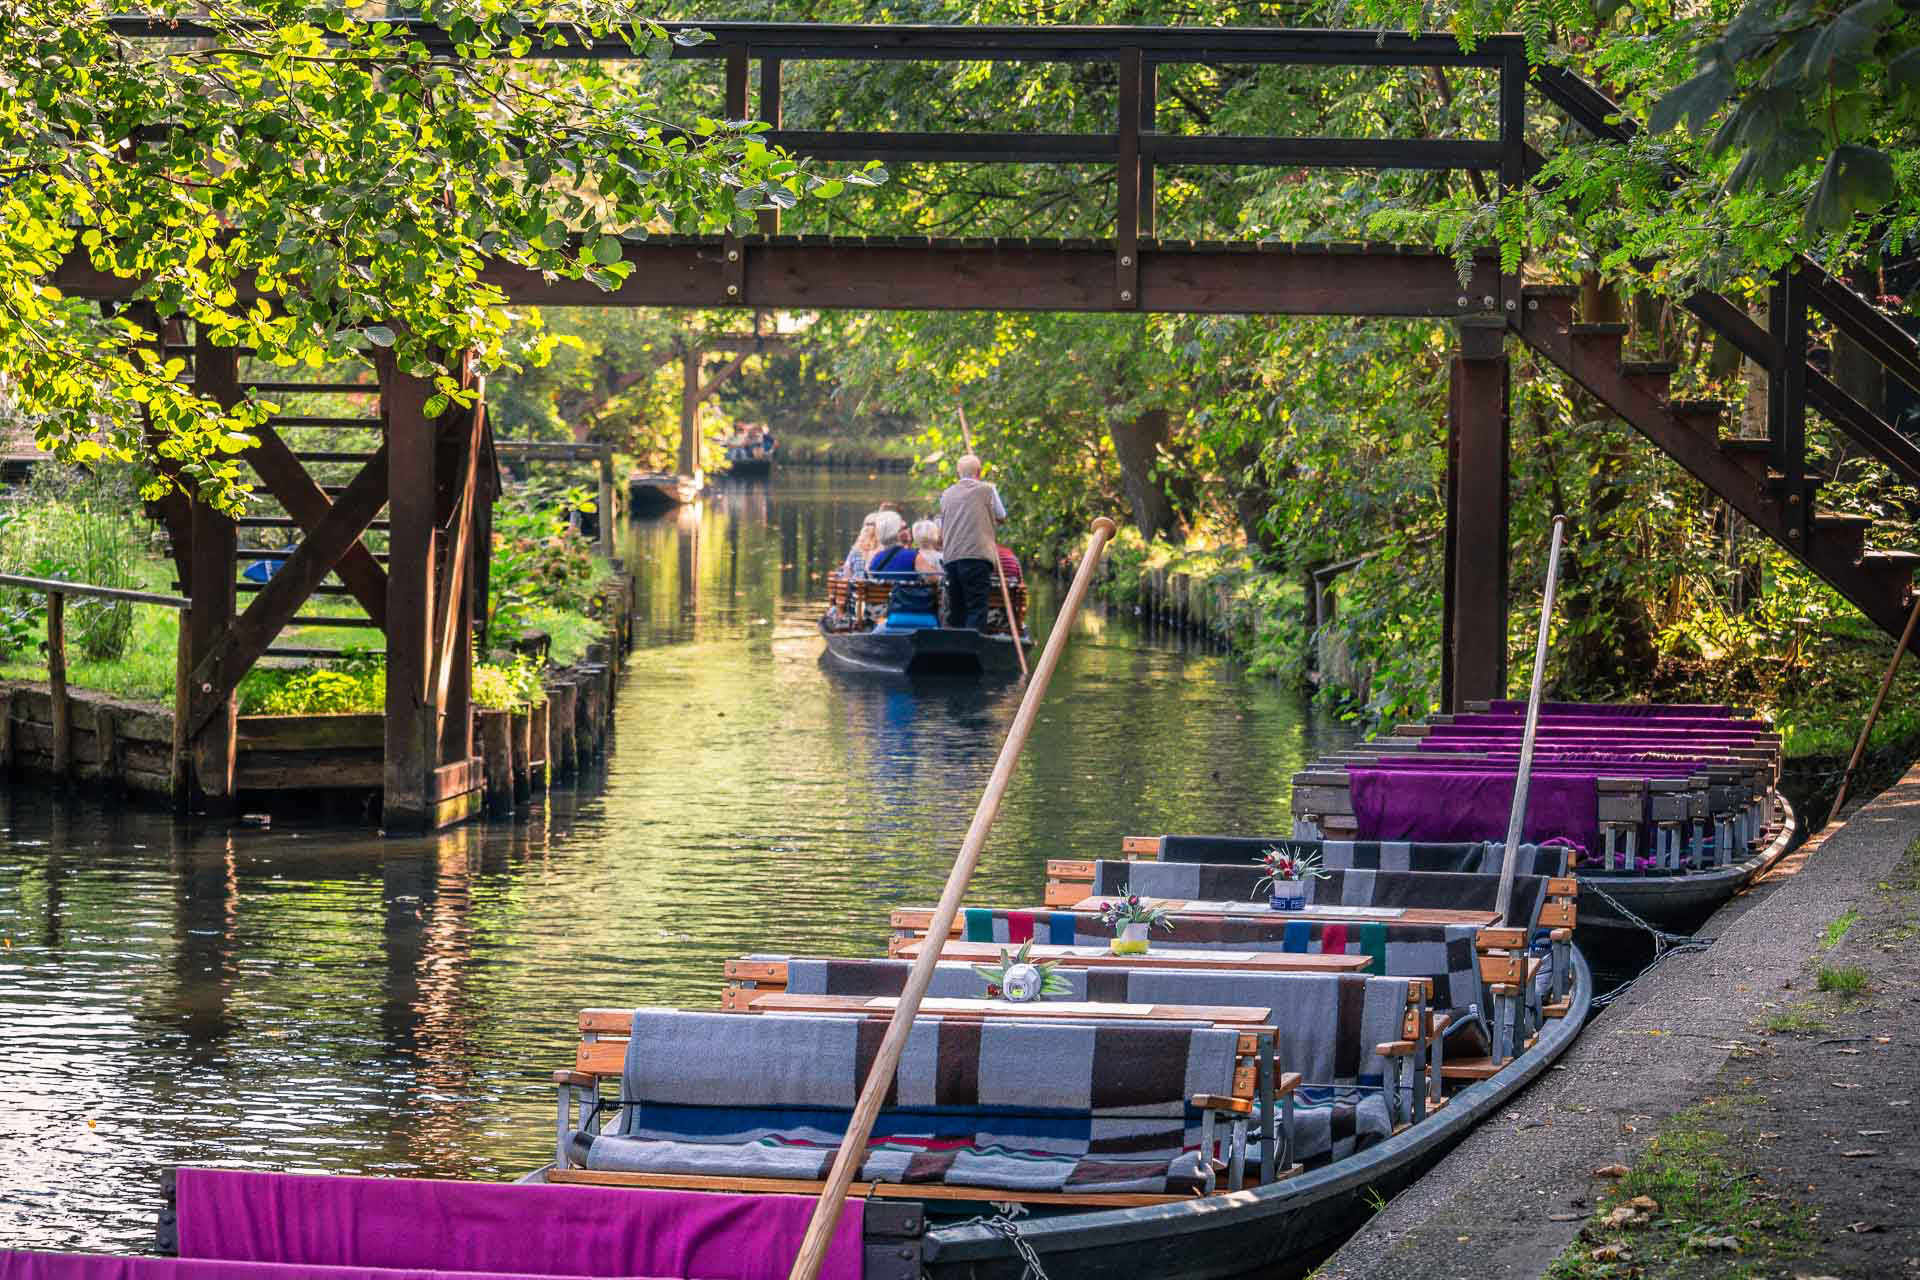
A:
1478, 857
1009, 1105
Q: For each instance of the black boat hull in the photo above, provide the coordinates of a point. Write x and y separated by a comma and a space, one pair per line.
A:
927, 651
1678, 903
1257, 1231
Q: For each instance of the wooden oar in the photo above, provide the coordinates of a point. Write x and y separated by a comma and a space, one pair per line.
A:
1006, 594
853, 1149
1516, 817
1866, 730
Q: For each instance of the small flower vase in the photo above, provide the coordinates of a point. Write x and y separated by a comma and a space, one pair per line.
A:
1131, 940
1022, 983
1287, 895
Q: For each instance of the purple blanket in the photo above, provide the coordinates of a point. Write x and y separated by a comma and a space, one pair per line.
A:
404, 1223
108, 1266
1625, 710
1446, 804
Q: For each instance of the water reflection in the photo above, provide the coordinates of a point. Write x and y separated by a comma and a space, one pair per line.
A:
325, 1001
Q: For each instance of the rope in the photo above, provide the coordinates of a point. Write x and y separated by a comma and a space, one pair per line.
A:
1664, 944
1006, 1228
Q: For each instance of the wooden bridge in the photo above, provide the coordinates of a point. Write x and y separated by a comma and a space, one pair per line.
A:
434, 478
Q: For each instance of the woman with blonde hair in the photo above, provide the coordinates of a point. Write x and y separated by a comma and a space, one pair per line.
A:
855, 565
926, 540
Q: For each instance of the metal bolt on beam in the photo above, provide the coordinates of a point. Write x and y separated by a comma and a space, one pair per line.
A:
1126, 259
1126, 295
733, 255
1487, 302
1463, 301
733, 290
1512, 305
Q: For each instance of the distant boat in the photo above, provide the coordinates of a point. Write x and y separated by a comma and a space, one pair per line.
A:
750, 451
864, 633
652, 492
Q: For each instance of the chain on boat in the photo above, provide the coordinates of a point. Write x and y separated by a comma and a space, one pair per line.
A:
1001, 1225
1664, 943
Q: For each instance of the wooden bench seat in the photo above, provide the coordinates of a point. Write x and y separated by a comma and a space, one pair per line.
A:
742, 1066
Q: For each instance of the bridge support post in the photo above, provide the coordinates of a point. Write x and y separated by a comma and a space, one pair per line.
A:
689, 408
412, 730
212, 551
1473, 663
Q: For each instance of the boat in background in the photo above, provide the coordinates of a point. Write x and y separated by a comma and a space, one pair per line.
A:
750, 450
651, 492
866, 632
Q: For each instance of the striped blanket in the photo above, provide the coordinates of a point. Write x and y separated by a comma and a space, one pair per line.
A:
1019, 1106
1442, 953
1474, 857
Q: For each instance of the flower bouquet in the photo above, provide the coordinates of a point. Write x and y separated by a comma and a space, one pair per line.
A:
1288, 870
1017, 980
1132, 919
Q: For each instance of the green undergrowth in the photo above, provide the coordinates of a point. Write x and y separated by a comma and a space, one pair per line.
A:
1258, 613
1708, 1216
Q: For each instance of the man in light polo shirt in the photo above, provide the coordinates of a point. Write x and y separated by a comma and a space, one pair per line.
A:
969, 510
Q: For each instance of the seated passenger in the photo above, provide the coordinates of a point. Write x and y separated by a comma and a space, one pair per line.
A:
926, 537
863, 546
894, 555
1009, 566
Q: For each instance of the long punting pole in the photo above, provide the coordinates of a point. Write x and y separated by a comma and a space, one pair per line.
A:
1006, 594
1873, 716
1516, 818
853, 1148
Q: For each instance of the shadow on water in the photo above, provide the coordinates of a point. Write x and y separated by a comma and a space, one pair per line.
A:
321, 999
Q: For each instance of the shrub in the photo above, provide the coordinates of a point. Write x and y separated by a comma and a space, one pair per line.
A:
75, 525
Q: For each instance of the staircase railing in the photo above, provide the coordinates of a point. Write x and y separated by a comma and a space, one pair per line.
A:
1782, 349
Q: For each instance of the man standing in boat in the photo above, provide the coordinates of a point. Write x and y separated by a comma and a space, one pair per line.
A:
969, 510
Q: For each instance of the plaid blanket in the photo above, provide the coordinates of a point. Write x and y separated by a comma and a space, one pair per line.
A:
1211, 882
1020, 1106
1442, 953
1477, 857
1327, 1027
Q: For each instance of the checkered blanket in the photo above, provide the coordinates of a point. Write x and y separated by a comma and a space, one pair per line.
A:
1019, 1106
1327, 1027
1412, 890
1480, 857
1442, 953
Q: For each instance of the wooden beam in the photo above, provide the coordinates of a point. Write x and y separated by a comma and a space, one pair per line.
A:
216, 374
218, 672
57, 684
1474, 661
287, 480
412, 729
816, 273
721, 378
453, 606
689, 409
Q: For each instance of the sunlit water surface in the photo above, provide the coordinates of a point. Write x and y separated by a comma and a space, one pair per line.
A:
307, 999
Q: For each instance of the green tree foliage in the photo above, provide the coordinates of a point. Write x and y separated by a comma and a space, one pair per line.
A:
294, 179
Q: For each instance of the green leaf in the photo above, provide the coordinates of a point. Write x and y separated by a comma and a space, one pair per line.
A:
1694, 101
1836, 54
607, 250
1857, 179
379, 335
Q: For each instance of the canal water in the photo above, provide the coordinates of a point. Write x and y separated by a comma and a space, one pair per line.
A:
325, 1000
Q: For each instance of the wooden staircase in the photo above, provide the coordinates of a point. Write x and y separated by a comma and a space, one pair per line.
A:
1740, 471
1766, 480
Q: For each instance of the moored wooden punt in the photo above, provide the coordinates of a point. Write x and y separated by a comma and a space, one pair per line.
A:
1225, 1234
922, 651
652, 492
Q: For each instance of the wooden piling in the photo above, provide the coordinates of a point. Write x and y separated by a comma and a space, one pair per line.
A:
57, 682
539, 745
496, 753
520, 730
561, 697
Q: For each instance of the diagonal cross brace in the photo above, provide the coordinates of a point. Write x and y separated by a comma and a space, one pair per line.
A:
304, 500
247, 639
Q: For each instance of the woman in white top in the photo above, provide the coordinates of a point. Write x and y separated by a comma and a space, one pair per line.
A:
926, 540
